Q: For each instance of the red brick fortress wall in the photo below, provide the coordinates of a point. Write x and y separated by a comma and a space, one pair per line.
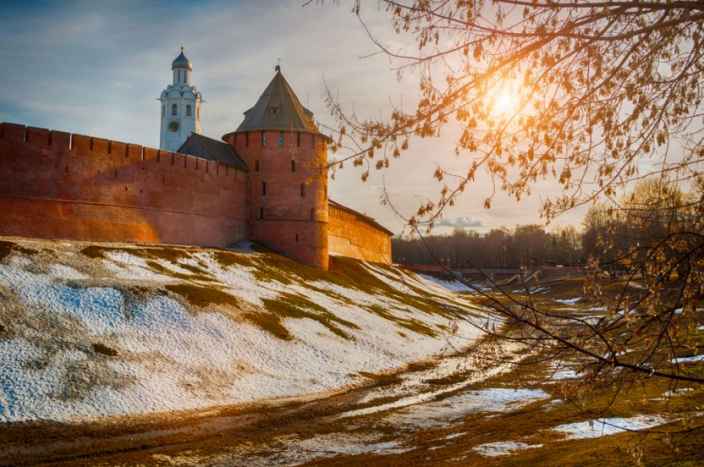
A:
63, 186
351, 234
288, 191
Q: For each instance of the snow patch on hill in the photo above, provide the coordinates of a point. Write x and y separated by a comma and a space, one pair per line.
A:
89, 331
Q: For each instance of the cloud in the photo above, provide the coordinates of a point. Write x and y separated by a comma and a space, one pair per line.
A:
461, 223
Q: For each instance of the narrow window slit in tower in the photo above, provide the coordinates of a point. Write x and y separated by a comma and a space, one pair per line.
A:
293, 166
246, 139
281, 139
261, 213
298, 138
263, 188
263, 139
109, 147
296, 238
256, 166
303, 190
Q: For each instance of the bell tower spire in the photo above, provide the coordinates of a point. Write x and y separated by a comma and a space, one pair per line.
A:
180, 106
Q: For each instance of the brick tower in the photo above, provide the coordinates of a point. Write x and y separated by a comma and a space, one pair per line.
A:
287, 158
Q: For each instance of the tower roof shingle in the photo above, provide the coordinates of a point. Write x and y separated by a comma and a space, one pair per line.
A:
278, 108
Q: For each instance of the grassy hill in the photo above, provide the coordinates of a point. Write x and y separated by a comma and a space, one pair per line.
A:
92, 330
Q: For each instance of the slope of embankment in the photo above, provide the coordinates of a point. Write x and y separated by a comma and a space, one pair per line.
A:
94, 330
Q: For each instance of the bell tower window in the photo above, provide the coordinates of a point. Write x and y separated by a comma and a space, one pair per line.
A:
174, 109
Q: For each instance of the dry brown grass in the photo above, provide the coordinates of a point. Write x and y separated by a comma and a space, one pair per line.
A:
203, 296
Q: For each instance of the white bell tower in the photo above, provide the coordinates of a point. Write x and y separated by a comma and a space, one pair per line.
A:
180, 106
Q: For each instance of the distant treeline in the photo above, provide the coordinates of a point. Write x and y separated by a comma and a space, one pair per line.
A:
527, 245
654, 218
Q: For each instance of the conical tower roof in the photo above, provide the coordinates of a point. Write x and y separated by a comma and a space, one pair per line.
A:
278, 108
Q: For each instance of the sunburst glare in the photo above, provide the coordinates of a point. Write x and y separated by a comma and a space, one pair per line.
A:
504, 101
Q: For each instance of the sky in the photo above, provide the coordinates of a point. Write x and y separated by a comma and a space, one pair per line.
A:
98, 67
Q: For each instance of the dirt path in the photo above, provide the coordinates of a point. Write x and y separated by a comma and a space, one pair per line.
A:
275, 432
438, 413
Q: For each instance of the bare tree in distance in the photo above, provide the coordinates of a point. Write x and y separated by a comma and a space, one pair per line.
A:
594, 95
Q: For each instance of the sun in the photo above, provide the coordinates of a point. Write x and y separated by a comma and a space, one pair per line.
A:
505, 103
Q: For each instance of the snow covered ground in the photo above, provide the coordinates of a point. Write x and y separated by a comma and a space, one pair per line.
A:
444, 411
609, 426
453, 286
103, 330
568, 301
695, 358
503, 448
